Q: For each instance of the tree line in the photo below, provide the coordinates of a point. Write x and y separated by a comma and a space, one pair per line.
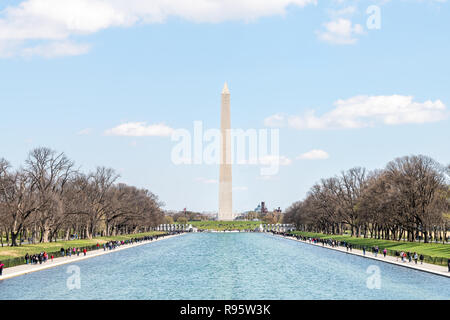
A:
48, 198
408, 199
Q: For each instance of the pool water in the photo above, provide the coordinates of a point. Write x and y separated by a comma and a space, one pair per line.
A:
227, 266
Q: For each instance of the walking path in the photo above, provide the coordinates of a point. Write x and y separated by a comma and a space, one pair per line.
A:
27, 268
426, 267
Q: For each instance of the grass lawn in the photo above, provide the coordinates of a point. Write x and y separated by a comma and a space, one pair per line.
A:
427, 249
225, 225
20, 251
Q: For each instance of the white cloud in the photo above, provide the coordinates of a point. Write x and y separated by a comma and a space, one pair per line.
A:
58, 20
315, 154
268, 177
84, 132
369, 111
276, 120
56, 49
140, 129
275, 160
340, 31
206, 181
346, 11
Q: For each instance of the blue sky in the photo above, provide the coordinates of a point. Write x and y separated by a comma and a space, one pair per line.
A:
71, 70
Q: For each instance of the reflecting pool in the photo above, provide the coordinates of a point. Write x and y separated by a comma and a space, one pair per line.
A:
227, 266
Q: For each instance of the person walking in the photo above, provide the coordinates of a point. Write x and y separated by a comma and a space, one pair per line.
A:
364, 250
384, 252
2, 265
84, 251
415, 257
448, 264
421, 258
397, 254
27, 258
52, 257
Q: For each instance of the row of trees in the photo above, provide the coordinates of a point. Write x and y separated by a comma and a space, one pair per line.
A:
49, 198
183, 217
408, 199
267, 217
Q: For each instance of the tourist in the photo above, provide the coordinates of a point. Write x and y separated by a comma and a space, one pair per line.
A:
384, 252
402, 254
409, 256
364, 250
51, 257
84, 251
2, 265
448, 264
421, 258
415, 257
397, 254
27, 258
78, 252
62, 252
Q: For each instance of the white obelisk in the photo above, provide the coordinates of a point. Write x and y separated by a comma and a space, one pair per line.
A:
225, 186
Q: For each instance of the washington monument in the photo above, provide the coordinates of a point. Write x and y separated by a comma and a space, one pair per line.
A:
225, 185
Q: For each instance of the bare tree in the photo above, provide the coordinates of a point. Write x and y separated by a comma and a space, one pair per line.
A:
49, 173
410, 197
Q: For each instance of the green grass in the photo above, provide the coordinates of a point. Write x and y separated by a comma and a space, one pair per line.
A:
20, 251
225, 225
433, 250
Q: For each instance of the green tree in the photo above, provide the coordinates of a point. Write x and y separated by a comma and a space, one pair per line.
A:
182, 220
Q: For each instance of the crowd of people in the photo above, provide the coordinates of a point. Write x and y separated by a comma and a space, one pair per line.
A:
38, 258
44, 256
404, 256
110, 245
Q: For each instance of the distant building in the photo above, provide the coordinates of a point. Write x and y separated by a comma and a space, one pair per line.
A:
261, 208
